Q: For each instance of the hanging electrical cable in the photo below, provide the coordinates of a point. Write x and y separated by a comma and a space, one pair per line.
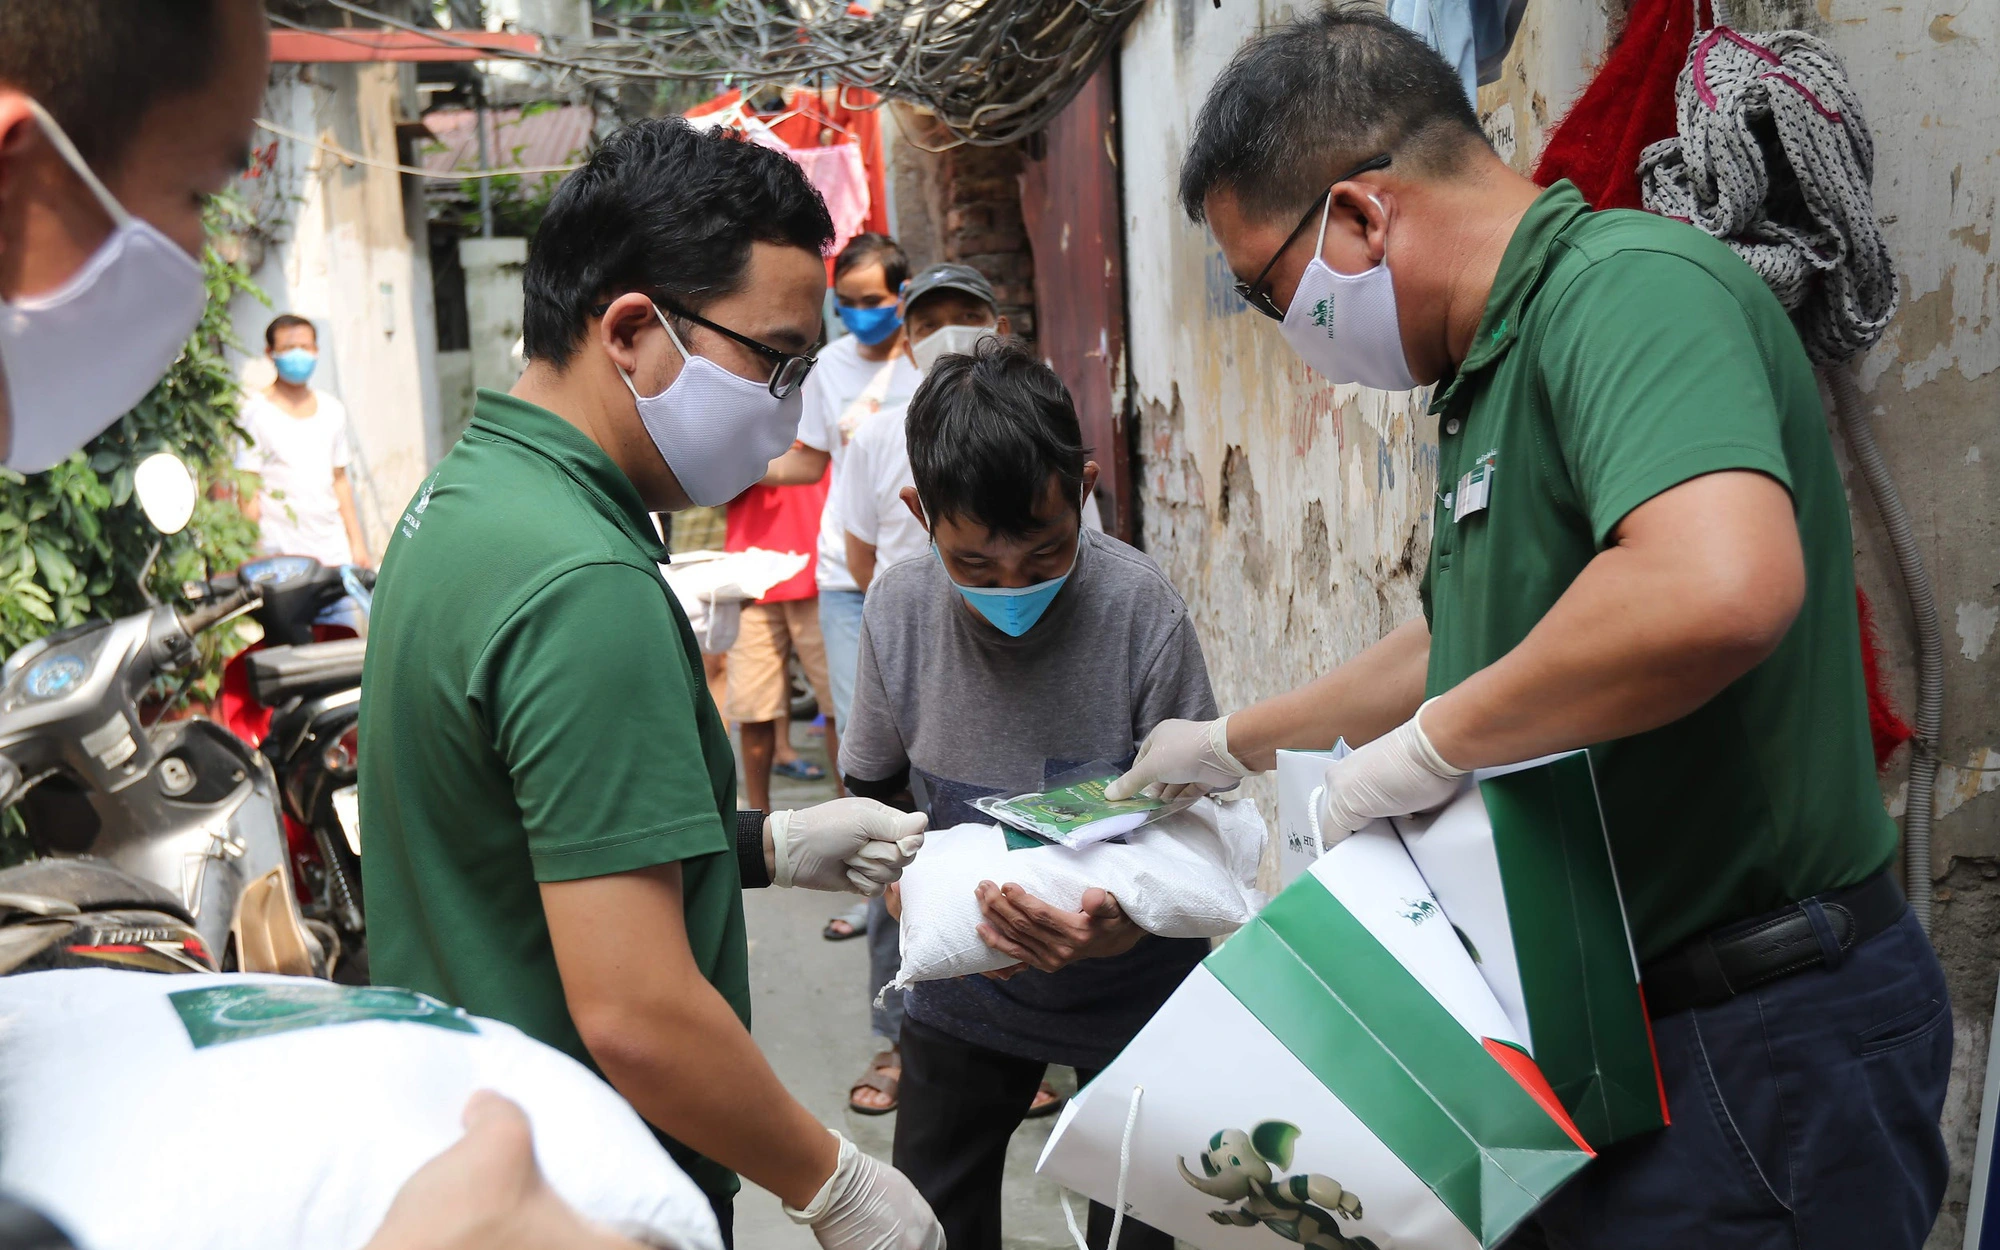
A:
992, 71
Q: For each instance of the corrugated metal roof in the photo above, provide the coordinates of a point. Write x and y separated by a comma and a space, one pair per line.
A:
556, 136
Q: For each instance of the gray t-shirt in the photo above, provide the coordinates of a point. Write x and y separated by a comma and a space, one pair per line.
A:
970, 712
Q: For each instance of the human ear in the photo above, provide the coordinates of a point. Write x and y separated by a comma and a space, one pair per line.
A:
628, 320
909, 497
1090, 475
1360, 216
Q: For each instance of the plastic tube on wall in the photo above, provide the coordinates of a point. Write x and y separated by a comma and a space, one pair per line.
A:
1924, 759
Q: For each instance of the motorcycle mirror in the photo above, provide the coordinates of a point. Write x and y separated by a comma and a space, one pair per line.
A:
166, 491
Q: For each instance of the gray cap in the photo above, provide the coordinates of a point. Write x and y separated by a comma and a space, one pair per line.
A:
950, 277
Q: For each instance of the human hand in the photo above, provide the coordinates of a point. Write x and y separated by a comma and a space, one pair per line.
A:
486, 1193
1181, 757
1046, 937
851, 844
1398, 773
868, 1205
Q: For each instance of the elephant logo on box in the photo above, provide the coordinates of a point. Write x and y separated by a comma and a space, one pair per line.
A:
1244, 1169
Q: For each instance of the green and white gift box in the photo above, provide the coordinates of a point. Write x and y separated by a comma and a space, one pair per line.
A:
1522, 865
1410, 1047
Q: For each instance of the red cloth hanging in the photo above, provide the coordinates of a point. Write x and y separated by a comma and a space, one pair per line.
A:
1887, 728
1628, 105
853, 117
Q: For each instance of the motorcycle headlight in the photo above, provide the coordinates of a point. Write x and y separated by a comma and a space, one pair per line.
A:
343, 752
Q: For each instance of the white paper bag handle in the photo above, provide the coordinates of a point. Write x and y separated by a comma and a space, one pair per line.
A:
1124, 1171
1312, 820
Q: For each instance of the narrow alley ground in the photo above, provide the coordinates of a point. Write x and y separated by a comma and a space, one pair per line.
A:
810, 1015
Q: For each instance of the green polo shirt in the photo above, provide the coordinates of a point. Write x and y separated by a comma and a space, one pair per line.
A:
534, 710
1620, 355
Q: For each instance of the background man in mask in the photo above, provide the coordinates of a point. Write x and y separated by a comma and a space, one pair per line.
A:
117, 121
548, 789
1640, 547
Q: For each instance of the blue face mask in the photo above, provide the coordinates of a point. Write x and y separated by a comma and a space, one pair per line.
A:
870, 325
295, 364
1013, 610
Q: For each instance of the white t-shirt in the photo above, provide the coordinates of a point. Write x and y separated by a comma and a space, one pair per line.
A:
870, 491
828, 422
296, 457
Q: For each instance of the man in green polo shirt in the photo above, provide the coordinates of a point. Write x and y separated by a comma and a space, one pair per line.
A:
549, 794
1640, 546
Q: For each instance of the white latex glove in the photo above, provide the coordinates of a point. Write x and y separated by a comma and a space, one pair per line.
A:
1181, 757
857, 845
1395, 775
868, 1205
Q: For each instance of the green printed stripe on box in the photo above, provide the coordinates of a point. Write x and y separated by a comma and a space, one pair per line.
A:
1375, 1038
1590, 1033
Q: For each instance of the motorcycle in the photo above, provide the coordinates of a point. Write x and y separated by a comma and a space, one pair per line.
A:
296, 697
183, 805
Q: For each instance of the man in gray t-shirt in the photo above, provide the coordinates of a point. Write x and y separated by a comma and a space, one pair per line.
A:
1022, 647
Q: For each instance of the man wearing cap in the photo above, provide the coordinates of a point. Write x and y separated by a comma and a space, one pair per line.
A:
947, 309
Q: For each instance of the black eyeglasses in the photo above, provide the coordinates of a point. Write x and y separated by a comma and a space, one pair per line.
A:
1254, 293
788, 371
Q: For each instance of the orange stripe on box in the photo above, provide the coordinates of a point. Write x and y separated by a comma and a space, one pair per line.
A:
1523, 1070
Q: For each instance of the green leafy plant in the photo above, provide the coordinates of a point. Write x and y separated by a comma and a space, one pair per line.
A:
73, 541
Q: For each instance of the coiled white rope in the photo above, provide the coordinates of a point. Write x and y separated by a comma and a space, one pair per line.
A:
1124, 1173
1774, 158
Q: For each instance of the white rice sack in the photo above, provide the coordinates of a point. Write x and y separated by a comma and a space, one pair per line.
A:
713, 586
1192, 875
287, 1112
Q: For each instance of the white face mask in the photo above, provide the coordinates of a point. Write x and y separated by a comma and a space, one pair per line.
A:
138, 292
716, 431
1345, 326
949, 341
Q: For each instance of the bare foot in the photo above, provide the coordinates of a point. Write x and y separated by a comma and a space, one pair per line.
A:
486, 1193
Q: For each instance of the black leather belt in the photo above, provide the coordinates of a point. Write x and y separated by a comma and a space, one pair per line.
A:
1717, 966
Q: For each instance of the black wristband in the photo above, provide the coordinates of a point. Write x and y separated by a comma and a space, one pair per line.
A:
750, 850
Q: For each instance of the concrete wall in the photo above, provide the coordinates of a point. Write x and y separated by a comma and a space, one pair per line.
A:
493, 309
343, 244
1295, 516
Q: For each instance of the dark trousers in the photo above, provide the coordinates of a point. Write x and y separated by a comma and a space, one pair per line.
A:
725, 1218
960, 1103
1805, 1117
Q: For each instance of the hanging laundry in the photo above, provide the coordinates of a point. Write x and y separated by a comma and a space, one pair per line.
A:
842, 181
1493, 25
1627, 107
1446, 25
812, 119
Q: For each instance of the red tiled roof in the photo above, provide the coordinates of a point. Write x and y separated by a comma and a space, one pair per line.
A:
557, 136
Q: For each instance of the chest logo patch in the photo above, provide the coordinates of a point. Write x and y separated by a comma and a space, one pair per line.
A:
413, 519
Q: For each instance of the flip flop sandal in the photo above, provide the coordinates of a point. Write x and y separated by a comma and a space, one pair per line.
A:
1047, 1102
856, 920
885, 1073
800, 770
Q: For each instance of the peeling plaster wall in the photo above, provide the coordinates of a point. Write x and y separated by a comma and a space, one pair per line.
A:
348, 251
1295, 516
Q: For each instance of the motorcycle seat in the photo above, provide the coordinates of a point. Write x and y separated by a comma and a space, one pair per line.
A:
85, 885
280, 674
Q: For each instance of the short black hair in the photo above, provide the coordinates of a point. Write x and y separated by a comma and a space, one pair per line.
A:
1309, 100
667, 210
987, 431
99, 65
283, 321
868, 249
